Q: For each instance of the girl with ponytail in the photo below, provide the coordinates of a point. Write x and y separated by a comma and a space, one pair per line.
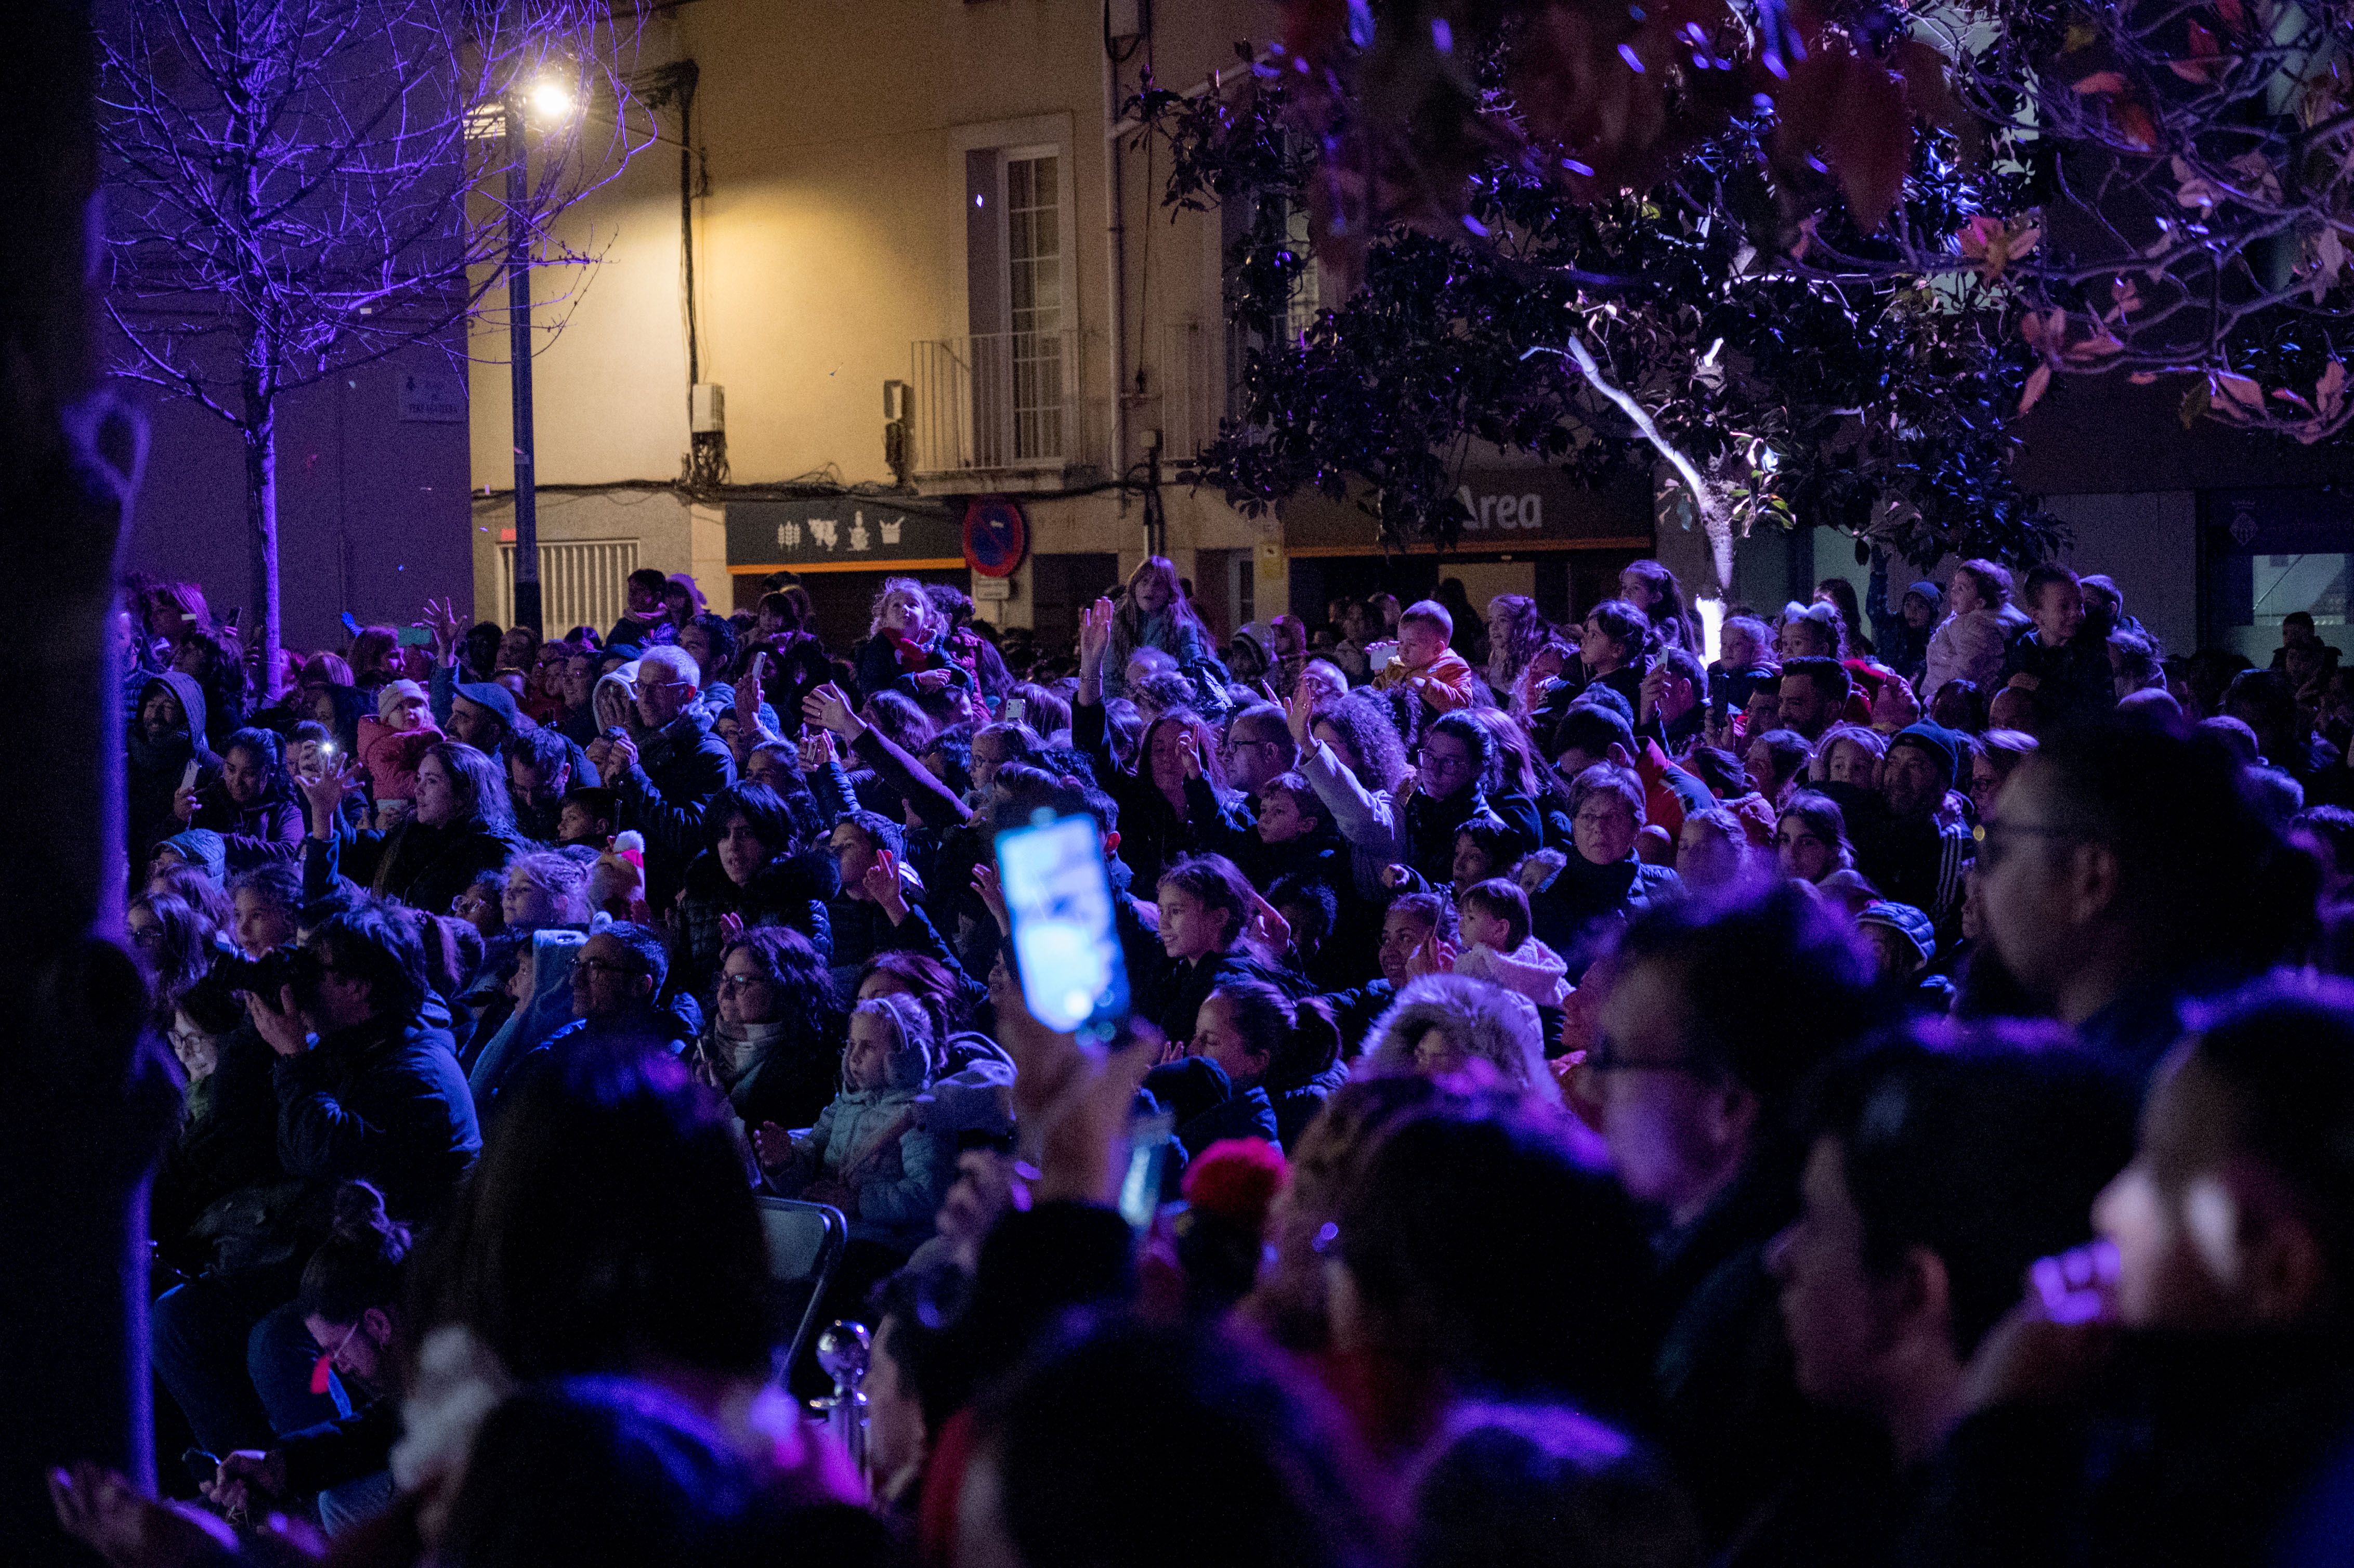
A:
1265, 1040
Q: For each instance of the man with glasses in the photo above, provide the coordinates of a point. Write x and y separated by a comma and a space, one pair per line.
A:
1257, 747
667, 774
1713, 1013
615, 983
2125, 869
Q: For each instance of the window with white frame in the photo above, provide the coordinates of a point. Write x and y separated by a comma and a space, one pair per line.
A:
1033, 287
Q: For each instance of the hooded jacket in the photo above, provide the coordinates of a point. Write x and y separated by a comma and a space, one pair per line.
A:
1533, 970
1970, 648
1496, 1025
154, 769
553, 953
875, 1141
1444, 685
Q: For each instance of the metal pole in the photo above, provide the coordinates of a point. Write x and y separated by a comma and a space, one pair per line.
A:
527, 497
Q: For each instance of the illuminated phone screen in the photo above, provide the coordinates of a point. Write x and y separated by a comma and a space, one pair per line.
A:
1064, 942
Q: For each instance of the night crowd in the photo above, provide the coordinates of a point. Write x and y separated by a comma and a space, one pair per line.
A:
1880, 1095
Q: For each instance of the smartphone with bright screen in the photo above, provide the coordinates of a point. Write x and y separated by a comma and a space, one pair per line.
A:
1064, 942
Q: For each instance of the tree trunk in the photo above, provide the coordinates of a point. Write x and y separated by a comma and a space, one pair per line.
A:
261, 429
89, 1100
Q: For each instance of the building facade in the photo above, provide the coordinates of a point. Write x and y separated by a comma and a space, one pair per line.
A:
931, 264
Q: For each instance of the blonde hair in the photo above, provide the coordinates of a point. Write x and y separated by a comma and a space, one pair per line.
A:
907, 589
915, 1038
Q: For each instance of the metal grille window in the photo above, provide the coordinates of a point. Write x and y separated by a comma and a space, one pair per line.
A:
581, 584
1033, 256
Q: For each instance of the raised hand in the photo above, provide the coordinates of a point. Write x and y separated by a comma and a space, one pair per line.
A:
1300, 714
324, 794
1095, 633
1077, 1101
828, 709
817, 751
442, 624
1268, 928
620, 755
882, 885
992, 897
748, 694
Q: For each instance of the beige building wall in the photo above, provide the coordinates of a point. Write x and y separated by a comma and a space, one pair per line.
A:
830, 236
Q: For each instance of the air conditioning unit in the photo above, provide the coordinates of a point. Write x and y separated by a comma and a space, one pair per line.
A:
707, 409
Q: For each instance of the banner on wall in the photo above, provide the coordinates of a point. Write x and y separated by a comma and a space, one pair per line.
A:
840, 531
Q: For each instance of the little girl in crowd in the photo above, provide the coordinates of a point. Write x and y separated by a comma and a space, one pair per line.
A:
1493, 917
870, 1154
392, 743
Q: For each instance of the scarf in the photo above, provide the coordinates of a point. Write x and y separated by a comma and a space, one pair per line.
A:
745, 1045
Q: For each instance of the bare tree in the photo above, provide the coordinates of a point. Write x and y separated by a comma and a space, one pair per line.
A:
296, 187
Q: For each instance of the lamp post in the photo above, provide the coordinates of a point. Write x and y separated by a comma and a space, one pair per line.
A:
555, 101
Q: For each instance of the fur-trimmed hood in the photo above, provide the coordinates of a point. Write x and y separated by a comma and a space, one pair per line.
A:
1490, 1022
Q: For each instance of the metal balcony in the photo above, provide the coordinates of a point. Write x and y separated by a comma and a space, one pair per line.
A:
1006, 407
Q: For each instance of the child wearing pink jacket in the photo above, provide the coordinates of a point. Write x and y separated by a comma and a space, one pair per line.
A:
392, 743
1493, 920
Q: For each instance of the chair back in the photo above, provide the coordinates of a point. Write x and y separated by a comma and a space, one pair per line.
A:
805, 1246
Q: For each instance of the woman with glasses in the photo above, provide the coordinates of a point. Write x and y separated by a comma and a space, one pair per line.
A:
1603, 881
774, 1046
1454, 782
228, 1136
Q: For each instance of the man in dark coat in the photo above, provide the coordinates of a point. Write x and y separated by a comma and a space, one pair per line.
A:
667, 775
1716, 1012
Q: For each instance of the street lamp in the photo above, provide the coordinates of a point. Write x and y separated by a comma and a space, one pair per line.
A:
553, 101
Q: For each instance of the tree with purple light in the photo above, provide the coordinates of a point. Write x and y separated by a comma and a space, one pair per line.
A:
297, 187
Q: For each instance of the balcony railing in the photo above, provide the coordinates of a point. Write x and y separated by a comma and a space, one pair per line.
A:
1002, 403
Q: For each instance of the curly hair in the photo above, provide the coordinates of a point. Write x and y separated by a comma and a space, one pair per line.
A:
1363, 721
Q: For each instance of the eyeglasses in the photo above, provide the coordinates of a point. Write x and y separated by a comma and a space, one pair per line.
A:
729, 983
188, 1039
327, 1362
1990, 835
606, 967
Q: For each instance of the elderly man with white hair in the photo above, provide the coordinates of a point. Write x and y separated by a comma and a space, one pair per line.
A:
666, 766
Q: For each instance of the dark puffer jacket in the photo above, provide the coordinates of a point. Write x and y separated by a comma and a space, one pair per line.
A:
679, 770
